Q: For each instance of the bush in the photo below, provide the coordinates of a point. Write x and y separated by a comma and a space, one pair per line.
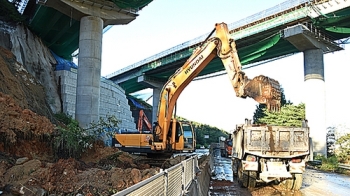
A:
328, 164
343, 151
71, 140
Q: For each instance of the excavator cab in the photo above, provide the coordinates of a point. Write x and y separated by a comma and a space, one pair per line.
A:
189, 137
184, 137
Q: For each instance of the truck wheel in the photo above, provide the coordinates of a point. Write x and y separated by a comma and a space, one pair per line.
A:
288, 183
251, 179
240, 175
235, 167
294, 183
298, 181
243, 177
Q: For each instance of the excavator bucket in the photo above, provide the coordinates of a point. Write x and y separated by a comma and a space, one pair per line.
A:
266, 91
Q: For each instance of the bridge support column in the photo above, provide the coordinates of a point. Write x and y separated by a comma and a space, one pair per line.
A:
309, 40
157, 86
156, 98
89, 71
315, 104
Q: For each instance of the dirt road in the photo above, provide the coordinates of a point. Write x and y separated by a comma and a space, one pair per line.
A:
320, 183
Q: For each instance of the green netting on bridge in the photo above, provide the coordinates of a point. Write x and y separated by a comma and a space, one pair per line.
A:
252, 52
134, 4
344, 30
337, 25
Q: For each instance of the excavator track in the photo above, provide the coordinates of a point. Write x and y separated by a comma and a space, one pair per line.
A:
159, 161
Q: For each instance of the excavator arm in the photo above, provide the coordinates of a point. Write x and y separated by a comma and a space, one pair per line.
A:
143, 119
262, 89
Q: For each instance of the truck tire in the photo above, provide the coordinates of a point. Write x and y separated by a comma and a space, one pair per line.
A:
243, 182
235, 163
251, 179
294, 183
298, 181
246, 179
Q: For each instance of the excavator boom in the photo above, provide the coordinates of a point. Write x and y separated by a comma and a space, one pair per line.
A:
261, 88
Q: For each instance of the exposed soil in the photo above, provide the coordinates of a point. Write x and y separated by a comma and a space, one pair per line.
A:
226, 187
27, 162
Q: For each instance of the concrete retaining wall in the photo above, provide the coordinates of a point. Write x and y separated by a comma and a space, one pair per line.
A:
200, 185
112, 98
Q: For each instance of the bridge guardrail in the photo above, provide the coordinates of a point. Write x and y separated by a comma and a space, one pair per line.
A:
173, 181
344, 166
276, 9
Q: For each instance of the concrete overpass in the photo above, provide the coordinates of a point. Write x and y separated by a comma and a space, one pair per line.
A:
312, 27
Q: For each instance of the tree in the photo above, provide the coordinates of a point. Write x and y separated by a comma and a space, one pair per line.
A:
344, 147
202, 130
261, 108
289, 115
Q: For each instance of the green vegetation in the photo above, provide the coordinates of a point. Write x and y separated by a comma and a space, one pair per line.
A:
343, 151
72, 140
328, 164
203, 130
292, 115
289, 115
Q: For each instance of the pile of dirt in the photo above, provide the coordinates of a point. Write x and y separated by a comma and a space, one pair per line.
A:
71, 176
27, 162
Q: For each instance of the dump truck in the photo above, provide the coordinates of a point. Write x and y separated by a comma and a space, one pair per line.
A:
266, 153
225, 146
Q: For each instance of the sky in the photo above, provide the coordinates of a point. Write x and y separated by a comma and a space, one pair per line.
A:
164, 24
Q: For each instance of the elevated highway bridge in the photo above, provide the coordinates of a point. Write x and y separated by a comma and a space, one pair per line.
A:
259, 38
57, 22
314, 27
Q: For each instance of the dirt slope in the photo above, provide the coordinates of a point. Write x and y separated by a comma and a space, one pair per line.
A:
27, 163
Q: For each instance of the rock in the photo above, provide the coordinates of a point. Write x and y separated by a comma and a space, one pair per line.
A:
22, 160
136, 175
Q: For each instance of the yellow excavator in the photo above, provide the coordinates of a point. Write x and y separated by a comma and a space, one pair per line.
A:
171, 135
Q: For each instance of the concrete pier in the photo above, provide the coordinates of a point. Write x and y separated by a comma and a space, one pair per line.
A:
89, 70
314, 96
93, 15
157, 86
155, 103
313, 44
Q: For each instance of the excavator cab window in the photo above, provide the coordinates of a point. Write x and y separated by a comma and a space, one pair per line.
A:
178, 132
189, 136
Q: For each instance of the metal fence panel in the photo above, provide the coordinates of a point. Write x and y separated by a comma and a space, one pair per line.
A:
173, 181
174, 187
155, 185
189, 172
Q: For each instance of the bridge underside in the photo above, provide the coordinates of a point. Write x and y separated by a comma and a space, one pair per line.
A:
58, 24
251, 49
